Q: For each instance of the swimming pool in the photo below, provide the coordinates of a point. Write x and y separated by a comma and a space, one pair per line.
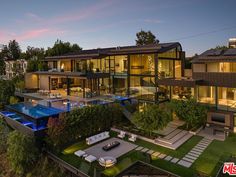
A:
20, 119
34, 111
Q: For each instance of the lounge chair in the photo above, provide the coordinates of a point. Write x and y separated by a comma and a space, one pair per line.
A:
52, 96
90, 158
58, 95
96, 138
133, 138
79, 153
121, 135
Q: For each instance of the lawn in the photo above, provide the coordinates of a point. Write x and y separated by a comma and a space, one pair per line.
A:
207, 163
217, 151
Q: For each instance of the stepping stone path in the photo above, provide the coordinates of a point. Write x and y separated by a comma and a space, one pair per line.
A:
174, 160
156, 154
150, 152
162, 156
168, 158
196, 151
139, 148
145, 150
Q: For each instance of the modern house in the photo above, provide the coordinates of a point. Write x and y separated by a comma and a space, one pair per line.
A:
133, 71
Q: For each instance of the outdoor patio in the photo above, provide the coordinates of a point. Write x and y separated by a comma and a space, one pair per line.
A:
118, 151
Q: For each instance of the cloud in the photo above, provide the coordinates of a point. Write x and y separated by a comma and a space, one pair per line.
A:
30, 34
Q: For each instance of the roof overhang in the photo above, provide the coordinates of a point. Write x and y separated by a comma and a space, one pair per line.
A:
182, 82
74, 74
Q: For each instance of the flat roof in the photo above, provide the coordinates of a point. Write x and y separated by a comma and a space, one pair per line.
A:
120, 50
80, 75
216, 55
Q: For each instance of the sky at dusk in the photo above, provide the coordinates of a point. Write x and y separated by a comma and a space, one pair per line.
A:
197, 24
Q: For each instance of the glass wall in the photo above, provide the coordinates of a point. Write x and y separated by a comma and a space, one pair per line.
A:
206, 94
121, 64
169, 54
65, 65
226, 98
120, 86
178, 92
94, 65
142, 64
178, 68
221, 67
143, 87
165, 68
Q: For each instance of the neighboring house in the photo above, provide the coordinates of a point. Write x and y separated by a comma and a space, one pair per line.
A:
15, 67
232, 43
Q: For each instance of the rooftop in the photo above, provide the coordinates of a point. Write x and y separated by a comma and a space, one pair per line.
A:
216, 55
120, 50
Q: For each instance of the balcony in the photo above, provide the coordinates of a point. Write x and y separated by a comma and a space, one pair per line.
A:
216, 78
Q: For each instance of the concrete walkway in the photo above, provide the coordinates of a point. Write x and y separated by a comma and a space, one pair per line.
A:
195, 152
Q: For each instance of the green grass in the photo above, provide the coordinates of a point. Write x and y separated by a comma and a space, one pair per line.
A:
207, 163
217, 151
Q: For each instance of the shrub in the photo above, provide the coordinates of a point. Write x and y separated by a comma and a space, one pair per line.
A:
192, 112
82, 122
151, 118
4, 131
21, 152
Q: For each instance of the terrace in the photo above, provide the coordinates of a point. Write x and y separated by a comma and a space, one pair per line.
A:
206, 163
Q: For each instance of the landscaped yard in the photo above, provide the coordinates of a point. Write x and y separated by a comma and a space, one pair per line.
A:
207, 163
217, 151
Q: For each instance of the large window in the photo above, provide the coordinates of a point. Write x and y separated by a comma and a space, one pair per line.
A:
121, 64
169, 54
226, 98
206, 94
165, 68
143, 87
178, 69
182, 92
142, 64
120, 86
221, 67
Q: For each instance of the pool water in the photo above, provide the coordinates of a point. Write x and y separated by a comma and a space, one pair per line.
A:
22, 120
97, 102
34, 111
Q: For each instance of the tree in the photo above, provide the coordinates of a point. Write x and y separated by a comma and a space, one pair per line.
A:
14, 50
34, 53
151, 118
61, 48
7, 90
4, 131
192, 112
82, 122
2, 66
21, 152
146, 37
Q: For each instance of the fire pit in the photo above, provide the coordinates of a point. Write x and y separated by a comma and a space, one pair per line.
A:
111, 145
107, 161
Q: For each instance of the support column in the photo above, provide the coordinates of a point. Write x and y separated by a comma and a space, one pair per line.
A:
216, 97
49, 83
83, 86
68, 85
98, 85
128, 76
156, 77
